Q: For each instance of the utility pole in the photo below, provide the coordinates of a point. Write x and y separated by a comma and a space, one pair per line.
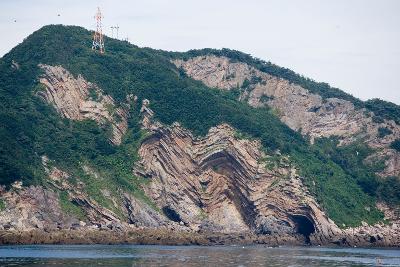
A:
98, 39
117, 27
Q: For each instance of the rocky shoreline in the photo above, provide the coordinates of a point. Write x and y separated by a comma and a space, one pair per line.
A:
141, 237
219, 189
168, 237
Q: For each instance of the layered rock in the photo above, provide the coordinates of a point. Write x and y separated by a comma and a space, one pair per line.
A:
135, 212
31, 208
78, 99
296, 106
216, 189
38, 207
221, 183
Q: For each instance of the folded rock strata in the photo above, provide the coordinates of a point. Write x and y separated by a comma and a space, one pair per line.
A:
220, 183
31, 208
297, 107
77, 99
38, 207
203, 185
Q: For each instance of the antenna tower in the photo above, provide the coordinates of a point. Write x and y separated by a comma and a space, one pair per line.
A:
98, 40
116, 28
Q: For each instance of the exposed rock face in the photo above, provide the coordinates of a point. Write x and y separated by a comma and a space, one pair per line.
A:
377, 235
136, 212
95, 213
77, 99
220, 183
141, 215
31, 208
217, 189
147, 236
36, 207
297, 107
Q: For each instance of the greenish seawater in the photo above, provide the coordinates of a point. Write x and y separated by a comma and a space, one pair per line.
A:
134, 255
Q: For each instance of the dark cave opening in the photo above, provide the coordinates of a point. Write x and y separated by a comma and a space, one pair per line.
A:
304, 226
171, 214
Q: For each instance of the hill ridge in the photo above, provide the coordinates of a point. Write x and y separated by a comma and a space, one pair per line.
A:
345, 186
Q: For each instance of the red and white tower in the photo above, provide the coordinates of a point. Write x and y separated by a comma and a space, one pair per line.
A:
98, 39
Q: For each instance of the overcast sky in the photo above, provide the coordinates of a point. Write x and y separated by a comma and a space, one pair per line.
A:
351, 44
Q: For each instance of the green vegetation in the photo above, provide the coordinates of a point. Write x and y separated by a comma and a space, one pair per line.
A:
202, 215
382, 132
345, 187
31, 128
93, 95
70, 207
352, 159
389, 190
381, 108
274, 161
2, 205
395, 144
322, 89
265, 98
240, 135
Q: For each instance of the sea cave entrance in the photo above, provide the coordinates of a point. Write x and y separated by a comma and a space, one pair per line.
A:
304, 226
171, 214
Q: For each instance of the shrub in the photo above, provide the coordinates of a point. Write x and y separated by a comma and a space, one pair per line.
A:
396, 145
383, 131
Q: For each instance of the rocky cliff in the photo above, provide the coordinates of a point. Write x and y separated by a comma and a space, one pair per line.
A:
38, 207
221, 183
128, 147
77, 99
297, 107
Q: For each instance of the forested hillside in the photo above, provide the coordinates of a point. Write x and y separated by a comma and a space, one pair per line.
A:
342, 183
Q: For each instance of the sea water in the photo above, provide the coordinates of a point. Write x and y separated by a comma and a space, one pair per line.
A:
137, 255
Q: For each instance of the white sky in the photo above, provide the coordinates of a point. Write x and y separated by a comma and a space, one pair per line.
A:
351, 44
